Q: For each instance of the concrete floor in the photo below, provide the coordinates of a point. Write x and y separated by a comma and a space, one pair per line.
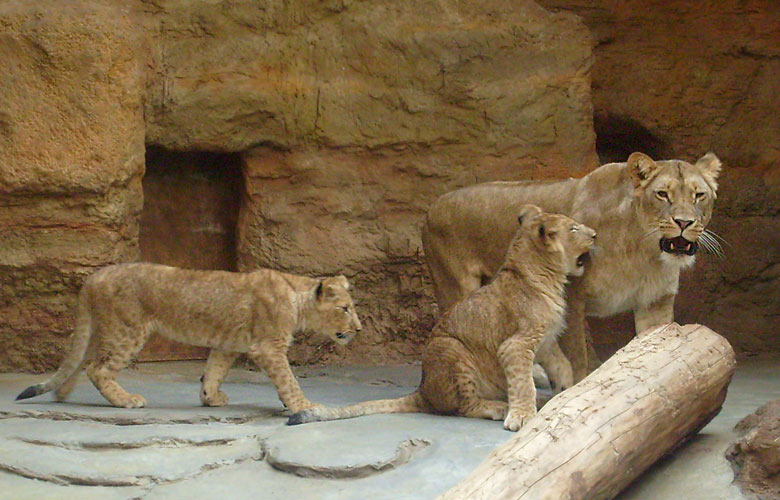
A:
176, 449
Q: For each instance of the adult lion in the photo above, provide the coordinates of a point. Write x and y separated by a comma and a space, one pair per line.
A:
650, 216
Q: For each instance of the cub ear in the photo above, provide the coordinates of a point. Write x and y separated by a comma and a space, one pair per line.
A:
545, 233
528, 212
318, 291
343, 280
710, 166
640, 168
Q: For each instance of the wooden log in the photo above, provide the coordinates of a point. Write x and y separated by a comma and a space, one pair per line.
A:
592, 440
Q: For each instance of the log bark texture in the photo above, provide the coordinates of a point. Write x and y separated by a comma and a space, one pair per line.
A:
592, 440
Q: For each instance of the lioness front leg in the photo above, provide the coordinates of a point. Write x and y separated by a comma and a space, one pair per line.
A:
217, 366
555, 364
572, 341
516, 355
272, 357
658, 313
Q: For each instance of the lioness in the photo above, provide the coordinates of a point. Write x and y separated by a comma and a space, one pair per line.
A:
257, 313
650, 216
482, 349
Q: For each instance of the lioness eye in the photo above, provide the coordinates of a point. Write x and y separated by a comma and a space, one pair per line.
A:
574, 229
346, 308
700, 196
662, 195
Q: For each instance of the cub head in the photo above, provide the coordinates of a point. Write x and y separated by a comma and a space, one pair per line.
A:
560, 241
333, 314
675, 200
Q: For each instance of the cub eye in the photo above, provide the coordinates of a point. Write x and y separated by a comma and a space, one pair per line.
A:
700, 196
345, 308
574, 229
662, 195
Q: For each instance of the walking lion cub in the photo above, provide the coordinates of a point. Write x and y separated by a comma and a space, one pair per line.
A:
255, 313
481, 352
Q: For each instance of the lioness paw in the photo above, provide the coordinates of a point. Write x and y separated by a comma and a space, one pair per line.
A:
515, 419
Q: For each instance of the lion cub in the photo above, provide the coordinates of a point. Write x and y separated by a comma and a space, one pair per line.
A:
255, 313
482, 349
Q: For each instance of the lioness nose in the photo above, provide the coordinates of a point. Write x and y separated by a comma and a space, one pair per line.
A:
683, 223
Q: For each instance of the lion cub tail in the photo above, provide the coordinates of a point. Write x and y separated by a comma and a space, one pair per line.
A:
413, 403
65, 377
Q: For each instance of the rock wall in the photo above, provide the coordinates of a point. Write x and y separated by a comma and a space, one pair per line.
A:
676, 79
71, 160
349, 119
344, 120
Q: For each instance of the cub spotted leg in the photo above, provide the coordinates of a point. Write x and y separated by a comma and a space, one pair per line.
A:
217, 366
516, 355
103, 369
449, 382
272, 357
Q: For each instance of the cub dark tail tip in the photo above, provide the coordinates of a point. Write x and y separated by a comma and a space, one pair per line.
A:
301, 417
31, 392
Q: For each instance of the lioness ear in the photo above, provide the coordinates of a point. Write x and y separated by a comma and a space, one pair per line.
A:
710, 166
528, 212
640, 168
318, 291
343, 279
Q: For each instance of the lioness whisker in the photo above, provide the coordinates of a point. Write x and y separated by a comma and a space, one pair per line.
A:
716, 235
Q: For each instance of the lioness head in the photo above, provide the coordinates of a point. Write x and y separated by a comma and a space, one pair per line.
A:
675, 201
334, 313
561, 241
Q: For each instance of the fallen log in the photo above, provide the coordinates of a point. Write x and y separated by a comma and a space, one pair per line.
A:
595, 438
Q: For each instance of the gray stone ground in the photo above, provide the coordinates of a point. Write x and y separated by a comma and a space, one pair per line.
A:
176, 449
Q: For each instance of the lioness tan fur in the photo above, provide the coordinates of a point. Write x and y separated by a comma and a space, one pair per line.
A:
255, 313
481, 352
650, 217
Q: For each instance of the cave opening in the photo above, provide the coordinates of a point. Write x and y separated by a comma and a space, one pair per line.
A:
189, 219
618, 136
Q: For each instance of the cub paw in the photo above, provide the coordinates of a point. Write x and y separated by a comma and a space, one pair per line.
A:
134, 401
515, 419
218, 399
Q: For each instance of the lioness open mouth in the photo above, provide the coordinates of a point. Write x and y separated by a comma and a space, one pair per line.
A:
582, 259
679, 246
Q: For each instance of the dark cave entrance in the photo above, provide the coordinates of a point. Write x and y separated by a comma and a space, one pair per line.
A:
189, 219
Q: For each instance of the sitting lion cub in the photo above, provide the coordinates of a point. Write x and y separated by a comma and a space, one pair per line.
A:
482, 349
256, 313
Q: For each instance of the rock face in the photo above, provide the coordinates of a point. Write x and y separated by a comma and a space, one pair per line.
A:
341, 121
676, 79
348, 119
755, 457
71, 161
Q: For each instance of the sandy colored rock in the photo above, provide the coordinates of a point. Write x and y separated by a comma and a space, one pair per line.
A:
347, 119
72, 156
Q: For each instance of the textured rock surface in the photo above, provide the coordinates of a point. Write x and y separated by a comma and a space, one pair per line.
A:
350, 117
676, 79
346, 119
756, 455
71, 160
208, 452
